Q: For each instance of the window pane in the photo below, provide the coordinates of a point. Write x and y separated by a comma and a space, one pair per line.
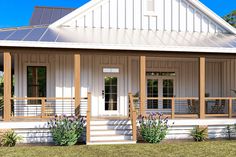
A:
152, 91
168, 86
110, 93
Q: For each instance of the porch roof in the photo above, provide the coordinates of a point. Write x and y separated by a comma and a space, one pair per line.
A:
116, 39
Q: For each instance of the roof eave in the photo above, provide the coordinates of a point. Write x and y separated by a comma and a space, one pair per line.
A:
64, 45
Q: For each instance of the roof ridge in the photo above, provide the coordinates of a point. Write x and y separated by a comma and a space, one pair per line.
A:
23, 27
50, 7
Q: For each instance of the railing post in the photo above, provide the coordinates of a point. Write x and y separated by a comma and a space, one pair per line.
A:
130, 104
133, 116
88, 119
43, 103
230, 107
172, 108
134, 126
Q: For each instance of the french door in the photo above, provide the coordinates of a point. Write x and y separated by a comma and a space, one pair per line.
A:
160, 87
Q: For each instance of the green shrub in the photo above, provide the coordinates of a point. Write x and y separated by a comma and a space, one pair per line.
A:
229, 131
10, 138
153, 128
199, 134
66, 130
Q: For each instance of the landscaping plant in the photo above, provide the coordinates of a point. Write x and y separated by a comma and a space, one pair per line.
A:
199, 134
9, 139
229, 131
66, 130
154, 127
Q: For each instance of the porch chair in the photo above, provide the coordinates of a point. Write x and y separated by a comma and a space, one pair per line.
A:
192, 106
218, 107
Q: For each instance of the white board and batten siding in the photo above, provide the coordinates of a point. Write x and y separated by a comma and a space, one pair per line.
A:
168, 15
220, 76
92, 77
60, 79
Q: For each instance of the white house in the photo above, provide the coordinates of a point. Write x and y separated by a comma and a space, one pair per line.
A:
172, 56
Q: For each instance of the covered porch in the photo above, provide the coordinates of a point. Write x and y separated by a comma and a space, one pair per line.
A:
193, 85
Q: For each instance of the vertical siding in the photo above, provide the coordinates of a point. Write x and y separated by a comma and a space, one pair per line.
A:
229, 75
186, 80
36, 59
220, 75
170, 15
92, 77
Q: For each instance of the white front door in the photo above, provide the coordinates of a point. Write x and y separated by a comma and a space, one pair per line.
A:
110, 99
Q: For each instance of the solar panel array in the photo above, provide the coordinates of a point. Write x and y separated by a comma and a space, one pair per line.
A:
48, 15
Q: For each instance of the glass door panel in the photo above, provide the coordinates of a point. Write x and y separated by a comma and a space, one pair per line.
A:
152, 91
168, 91
111, 86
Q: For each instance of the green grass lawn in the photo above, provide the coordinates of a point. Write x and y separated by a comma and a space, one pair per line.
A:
185, 149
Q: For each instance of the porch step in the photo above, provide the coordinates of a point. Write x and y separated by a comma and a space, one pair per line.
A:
112, 142
110, 122
111, 132
110, 127
110, 137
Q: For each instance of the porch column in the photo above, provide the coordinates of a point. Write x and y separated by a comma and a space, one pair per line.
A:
77, 83
142, 81
7, 85
202, 73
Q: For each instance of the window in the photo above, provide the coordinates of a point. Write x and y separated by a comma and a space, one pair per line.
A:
36, 82
111, 70
150, 7
160, 74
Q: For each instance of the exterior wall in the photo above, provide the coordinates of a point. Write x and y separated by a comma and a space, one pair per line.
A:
220, 75
60, 80
91, 79
170, 15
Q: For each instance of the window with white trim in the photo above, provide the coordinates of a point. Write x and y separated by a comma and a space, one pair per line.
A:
150, 7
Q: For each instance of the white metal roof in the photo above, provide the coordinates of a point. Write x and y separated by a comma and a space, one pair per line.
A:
122, 39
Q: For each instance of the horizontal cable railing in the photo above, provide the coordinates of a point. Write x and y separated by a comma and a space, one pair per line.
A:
41, 107
1, 107
220, 107
171, 106
189, 107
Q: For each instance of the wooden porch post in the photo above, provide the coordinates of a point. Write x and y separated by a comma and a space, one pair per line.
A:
77, 83
142, 81
7, 86
202, 73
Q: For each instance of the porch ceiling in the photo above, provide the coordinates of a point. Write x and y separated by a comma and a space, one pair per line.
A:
122, 39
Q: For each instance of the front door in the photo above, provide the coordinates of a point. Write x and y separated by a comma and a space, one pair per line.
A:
110, 93
160, 85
